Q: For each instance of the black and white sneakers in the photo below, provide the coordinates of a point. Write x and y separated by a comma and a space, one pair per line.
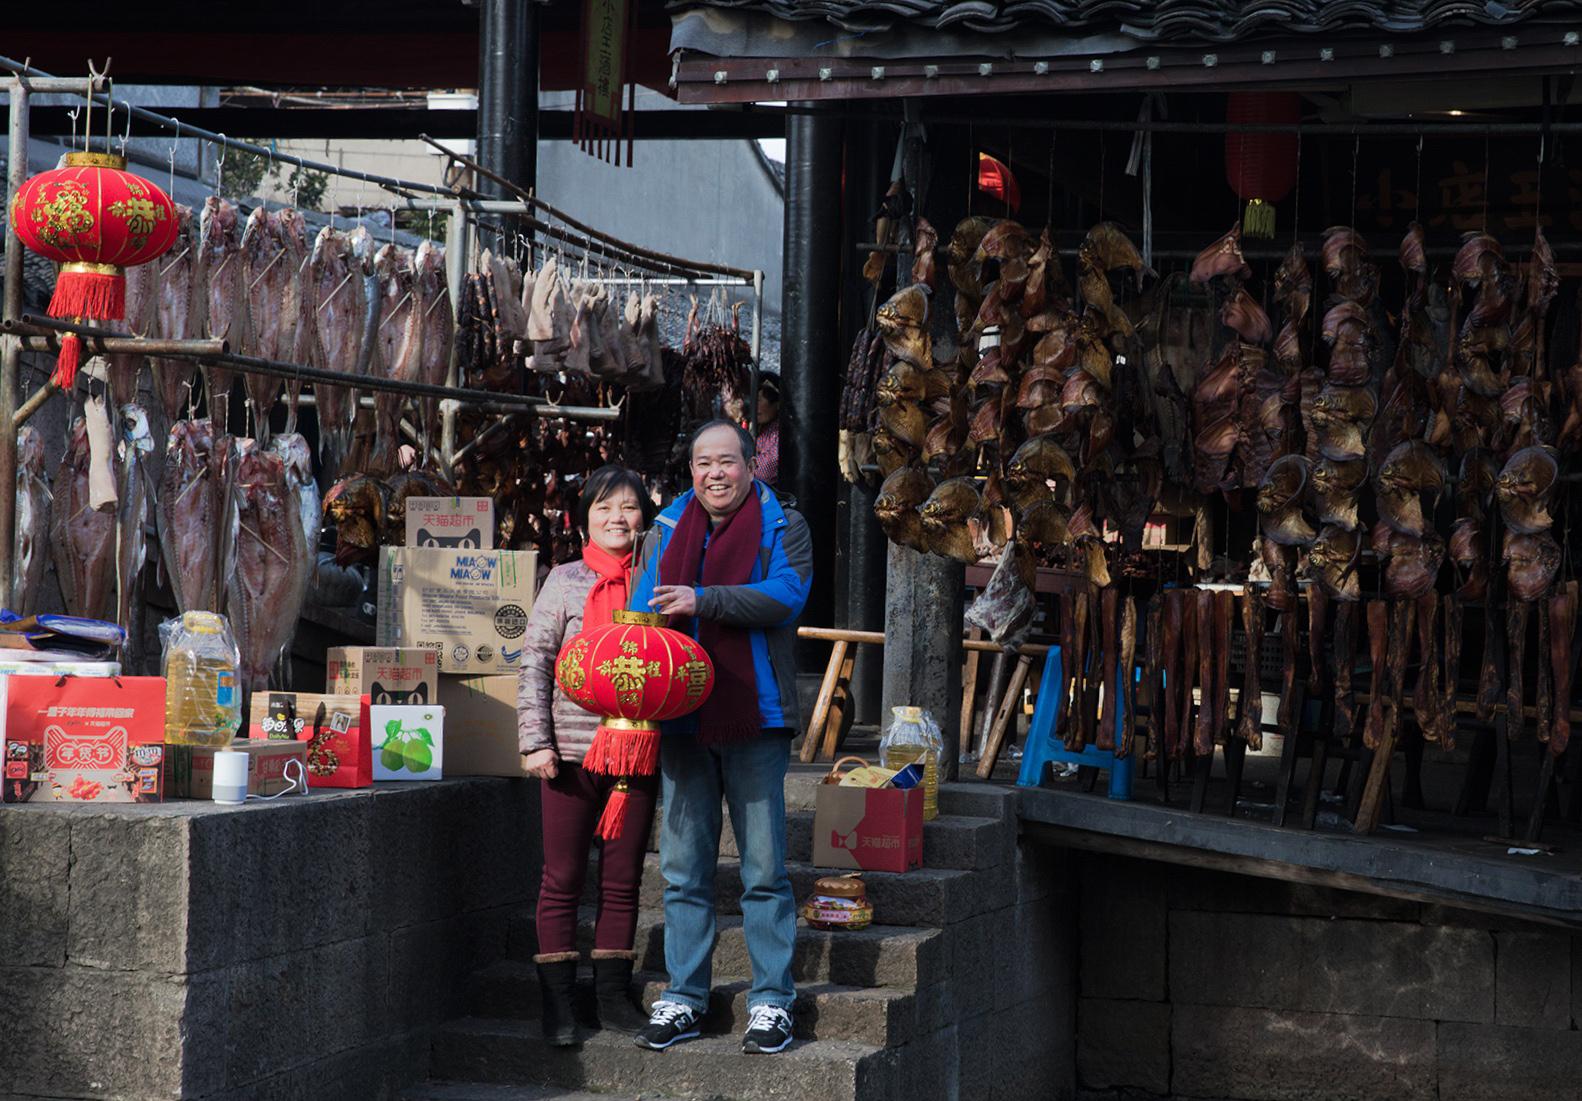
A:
768, 1030
668, 1022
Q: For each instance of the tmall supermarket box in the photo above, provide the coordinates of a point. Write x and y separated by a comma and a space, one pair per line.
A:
385, 674
459, 523
469, 606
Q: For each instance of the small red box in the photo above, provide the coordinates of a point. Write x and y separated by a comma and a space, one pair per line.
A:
868, 829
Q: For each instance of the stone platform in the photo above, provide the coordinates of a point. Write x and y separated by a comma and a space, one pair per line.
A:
305, 947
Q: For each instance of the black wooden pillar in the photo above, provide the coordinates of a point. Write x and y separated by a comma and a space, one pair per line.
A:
810, 354
507, 95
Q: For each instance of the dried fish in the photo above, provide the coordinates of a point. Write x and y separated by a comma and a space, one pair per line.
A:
266, 587
1525, 487
1531, 564
31, 552
179, 312
83, 536
896, 506
220, 256
945, 517
190, 504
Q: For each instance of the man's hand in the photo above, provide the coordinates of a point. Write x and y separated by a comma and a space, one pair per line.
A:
679, 600
542, 763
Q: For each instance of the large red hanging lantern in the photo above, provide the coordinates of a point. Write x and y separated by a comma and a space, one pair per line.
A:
634, 673
95, 219
1261, 166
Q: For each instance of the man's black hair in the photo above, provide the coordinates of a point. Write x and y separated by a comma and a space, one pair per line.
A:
607, 480
749, 445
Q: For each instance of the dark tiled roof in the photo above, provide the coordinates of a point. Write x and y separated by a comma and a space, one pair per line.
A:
1159, 20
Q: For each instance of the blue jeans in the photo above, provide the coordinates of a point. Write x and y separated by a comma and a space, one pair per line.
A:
751, 778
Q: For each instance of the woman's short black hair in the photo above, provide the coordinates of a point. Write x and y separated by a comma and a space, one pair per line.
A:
769, 387
607, 480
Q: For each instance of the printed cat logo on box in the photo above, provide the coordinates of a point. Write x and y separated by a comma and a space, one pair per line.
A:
84, 750
459, 522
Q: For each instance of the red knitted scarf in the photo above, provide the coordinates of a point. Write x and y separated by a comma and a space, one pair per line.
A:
730, 714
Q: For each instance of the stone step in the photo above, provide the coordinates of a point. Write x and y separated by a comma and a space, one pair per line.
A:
880, 955
486, 1091
934, 897
963, 842
504, 1051
880, 1016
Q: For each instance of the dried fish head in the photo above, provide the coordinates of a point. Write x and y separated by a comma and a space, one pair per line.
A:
356, 505
1108, 245
1222, 258
1288, 527
896, 506
1543, 279
1525, 488
1531, 563
1332, 562
1408, 473
1284, 483
890, 453
1413, 565
900, 384
1242, 314
1478, 259
953, 501
1413, 257
1033, 466
964, 241
1004, 241
1339, 415
1480, 470
903, 322
1293, 282
1043, 522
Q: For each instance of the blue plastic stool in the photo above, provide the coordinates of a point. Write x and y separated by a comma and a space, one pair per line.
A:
1043, 747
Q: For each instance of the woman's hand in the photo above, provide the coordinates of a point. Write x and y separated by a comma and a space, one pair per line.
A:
542, 763
681, 600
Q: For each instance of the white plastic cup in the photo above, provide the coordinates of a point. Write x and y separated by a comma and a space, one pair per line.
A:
230, 777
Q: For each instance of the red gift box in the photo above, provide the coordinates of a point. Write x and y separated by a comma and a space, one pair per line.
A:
84, 739
340, 754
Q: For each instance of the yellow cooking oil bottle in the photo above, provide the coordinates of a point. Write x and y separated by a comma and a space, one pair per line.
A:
203, 704
913, 736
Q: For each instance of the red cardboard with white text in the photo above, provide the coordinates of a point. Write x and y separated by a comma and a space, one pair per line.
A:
868, 829
101, 739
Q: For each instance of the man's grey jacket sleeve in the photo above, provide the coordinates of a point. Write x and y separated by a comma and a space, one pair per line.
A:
777, 599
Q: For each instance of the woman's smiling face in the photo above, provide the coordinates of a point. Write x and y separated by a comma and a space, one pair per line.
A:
615, 520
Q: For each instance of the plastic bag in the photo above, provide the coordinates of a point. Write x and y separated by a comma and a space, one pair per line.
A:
200, 663
1006, 607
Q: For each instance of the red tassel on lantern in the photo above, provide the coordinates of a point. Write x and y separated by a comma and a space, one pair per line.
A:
613, 820
1261, 166
95, 219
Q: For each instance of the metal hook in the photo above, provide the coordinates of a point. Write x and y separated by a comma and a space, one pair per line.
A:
127, 137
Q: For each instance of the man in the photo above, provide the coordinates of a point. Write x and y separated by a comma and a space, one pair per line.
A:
730, 565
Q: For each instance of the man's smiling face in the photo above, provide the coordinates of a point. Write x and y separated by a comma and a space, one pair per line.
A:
722, 476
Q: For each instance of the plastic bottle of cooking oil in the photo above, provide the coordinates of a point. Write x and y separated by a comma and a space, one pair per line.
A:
914, 735
203, 705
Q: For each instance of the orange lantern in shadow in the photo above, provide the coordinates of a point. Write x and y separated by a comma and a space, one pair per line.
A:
95, 219
634, 673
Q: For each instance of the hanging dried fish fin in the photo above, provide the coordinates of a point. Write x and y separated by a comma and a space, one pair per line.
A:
1249, 724
1543, 695
1515, 655
1426, 697
1562, 632
1378, 688
1345, 660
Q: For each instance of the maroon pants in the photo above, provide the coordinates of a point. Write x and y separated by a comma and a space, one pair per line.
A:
572, 803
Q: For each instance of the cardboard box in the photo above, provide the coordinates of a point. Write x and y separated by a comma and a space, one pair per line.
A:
471, 606
459, 523
868, 829
480, 726
339, 753
385, 674
84, 739
409, 742
189, 769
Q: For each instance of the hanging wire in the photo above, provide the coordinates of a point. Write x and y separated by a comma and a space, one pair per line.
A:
1485, 184
1296, 200
1356, 151
1417, 213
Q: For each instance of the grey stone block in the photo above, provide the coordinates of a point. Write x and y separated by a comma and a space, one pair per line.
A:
1284, 1056
1362, 967
128, 908
976, 946
80, 1032
1123, 1044
1036, 1058
304, 1006
1043, 871
980, 1050
512, 1051
1483, 1063
379, 1071
278, 878
930, 1066
35, 854
1123, 928
430, 965
1532, 979
977, 799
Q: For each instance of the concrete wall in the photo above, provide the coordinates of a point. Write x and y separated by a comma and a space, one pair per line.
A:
303, 948
1197, 984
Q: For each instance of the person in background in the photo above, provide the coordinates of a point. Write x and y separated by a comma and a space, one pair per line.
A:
768, 454
730, 565
554, 735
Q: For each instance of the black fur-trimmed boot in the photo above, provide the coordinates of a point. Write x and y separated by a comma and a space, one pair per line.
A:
557, 985
612, 985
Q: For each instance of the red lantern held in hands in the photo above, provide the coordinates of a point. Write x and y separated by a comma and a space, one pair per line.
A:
95, 219
634, 673
1261, 166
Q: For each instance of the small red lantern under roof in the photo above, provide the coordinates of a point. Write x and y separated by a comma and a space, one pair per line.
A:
95, 219
996, 178
1261, 166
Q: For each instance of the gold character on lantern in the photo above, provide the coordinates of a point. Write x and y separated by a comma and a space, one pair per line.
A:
142, 217
569, 672
695, 674
64, 220
627, 676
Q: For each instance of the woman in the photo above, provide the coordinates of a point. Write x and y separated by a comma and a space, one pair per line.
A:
554, 735
768, 465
